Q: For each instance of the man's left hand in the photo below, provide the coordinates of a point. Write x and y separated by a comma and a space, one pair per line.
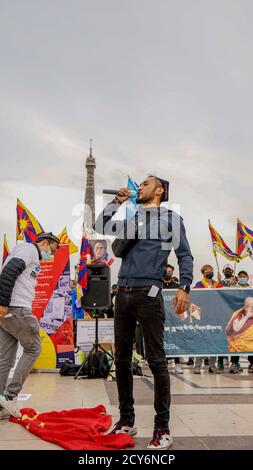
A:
181, 301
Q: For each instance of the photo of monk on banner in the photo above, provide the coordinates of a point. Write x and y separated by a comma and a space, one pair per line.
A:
100, 253
239, 329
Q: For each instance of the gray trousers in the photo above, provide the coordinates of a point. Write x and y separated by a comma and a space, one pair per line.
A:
20, 326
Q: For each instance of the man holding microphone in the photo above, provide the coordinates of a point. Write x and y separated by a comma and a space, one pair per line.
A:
139, 297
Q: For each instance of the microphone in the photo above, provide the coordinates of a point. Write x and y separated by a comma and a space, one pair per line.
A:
110, 191
115, 191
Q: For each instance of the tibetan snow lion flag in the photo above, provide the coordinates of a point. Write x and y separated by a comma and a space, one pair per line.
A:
195, 312
244, 240
28, 227
85, 257
65, 240
6, 250
219, 246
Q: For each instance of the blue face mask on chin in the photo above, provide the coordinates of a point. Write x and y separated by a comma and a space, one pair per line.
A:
45, 255
242, 281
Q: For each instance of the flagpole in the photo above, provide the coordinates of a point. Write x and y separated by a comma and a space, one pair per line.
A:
236, 244
17, 222
216, 259
214, 252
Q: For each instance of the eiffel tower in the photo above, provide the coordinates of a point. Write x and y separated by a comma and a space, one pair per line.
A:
90, 189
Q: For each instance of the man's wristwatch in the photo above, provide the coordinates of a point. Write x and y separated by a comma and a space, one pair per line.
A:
185, 288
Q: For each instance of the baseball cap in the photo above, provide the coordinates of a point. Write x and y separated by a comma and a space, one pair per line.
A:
228, 266
165, 184
47, 236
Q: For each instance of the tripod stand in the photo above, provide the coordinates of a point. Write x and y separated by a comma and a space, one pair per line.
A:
96, 346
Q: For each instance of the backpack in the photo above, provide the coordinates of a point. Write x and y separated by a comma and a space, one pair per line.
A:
70, 369
98, 365
136, 368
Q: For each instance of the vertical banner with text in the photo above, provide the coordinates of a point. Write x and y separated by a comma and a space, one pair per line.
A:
52, 307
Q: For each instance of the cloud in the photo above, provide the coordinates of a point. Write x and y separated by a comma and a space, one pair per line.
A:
161, 87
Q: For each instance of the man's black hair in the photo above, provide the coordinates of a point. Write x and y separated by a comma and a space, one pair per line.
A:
243, 272
170, 266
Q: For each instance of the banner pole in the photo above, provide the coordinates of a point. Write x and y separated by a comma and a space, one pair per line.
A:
235, 268
216, 259
236, 245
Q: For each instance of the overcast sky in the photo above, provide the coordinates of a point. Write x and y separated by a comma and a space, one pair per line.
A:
161, 86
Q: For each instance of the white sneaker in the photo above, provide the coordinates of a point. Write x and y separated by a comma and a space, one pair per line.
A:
161, 440
178, 369
122, 427
10, 406
4, 414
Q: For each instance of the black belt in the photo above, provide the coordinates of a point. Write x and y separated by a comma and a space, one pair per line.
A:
134, 289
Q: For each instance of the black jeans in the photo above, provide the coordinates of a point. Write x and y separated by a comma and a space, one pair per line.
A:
149, 312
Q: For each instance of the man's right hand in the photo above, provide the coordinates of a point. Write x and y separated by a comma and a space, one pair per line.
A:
3, 311
122, 195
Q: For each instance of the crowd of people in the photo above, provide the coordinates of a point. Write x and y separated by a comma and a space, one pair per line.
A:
215, 364
241, 280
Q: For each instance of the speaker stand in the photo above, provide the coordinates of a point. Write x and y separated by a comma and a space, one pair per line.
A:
96, 347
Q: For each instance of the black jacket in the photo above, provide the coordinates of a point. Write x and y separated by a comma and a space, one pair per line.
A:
10, 272
8, 277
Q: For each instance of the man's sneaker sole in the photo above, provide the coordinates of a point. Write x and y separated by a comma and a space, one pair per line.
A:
160, 447
4, 414
10, 406
127, 430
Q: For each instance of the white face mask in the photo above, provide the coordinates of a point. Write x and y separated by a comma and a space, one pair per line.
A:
46, 255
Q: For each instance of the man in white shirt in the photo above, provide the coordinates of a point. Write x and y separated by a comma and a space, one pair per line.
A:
17, 323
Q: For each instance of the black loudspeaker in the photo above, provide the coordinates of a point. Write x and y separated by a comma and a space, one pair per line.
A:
99, 287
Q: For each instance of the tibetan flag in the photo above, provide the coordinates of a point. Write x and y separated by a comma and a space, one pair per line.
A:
131, 202
184, 315
221, 247
249, 249
65, 240
6, 250
244, 240
110, 261
28, 226
85, 258
195, 312
247, 231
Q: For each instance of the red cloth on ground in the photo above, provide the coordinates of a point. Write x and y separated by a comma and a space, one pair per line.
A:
77, 429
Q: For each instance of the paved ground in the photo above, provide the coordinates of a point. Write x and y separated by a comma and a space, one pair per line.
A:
208, 411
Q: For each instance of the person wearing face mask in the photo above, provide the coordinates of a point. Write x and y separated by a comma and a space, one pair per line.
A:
207, 283
230, 281
168, 282
243, 279
17, 323
229, 278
